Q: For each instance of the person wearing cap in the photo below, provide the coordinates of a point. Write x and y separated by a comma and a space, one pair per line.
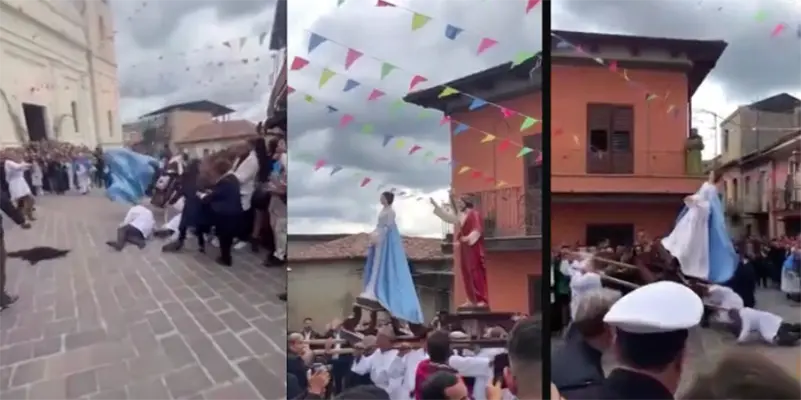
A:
770, 327
652, 324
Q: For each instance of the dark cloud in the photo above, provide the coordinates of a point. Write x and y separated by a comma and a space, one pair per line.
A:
755, 64
384, 34
172, 51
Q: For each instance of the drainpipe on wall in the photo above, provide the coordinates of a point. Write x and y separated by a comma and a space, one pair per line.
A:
93, 91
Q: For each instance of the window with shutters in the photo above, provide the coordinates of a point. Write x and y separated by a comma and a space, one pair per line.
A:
533, 161
610, 138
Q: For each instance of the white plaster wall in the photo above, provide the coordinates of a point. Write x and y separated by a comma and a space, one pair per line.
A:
45, 46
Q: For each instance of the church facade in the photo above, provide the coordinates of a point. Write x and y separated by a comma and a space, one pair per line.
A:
59, 77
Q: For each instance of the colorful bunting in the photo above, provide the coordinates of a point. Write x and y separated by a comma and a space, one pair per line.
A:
326, 76
351, 57
778, 29
447, 92
368, 128
463, 170
414, 149
451, 32
386, 68
476, 104
319, 164
387, 139
384, 3
528, 123
507, 113
350, 84
445, 119
416, 80
419, 21
485, 44
522, 57
315, 40
531, 4
336, 169
375, 94
298, 64
331, 109
523, 152
460, 128
487, 138
365, 181
345, 120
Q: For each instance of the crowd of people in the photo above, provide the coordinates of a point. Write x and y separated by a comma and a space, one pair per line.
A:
647, 326
436, 367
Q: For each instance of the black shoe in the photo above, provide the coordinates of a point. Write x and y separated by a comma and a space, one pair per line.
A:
787, 339
223, 262
172, 247
254, 245
273, 261
6, 300
114, 245
163, 233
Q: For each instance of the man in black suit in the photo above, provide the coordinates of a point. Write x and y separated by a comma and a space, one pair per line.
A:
9, 209
226, 207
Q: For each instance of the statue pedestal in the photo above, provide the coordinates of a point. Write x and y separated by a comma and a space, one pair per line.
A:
357, 328
474, 321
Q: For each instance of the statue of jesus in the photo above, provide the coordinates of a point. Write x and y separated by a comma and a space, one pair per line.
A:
469, 243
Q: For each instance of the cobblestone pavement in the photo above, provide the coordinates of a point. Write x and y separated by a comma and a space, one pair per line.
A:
138, 324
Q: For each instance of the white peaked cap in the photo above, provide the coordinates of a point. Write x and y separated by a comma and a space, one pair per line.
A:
456, 335
655, 308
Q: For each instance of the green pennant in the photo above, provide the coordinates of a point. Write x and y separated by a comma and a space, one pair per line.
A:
368, 129
528, 123
447, 92
326, 76
308, 98
386, 68
521, 57
523, 152
340, 2
419, 21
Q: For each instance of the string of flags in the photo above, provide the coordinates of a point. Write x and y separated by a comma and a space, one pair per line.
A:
459, 128
237, 44
386, 68
530, 4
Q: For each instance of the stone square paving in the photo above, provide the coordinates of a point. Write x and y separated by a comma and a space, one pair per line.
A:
139, 324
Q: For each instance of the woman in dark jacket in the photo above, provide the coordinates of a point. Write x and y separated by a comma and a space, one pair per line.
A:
745, 278
191, 215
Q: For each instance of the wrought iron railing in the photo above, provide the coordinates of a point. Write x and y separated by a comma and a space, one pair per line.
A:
787, 199
508, 212
649, 163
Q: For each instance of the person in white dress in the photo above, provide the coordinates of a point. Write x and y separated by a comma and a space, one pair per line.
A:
136, 228
37, 176
277, 207
18, 189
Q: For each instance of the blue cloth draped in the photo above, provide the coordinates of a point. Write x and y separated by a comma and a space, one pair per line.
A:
130, 174
723, 259
789, 263
394, 286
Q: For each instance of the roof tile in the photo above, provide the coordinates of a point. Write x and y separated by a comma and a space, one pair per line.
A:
354, 247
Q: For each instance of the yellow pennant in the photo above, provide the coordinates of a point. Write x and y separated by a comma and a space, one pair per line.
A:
463, 170
487, 138
400, 143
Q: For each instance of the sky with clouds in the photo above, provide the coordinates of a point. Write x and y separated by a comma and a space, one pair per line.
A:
171, 52
322, 203
755, 65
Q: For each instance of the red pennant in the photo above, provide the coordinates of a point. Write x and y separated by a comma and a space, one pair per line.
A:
298, 63
489, 179
477, 174
416, 81
414, 149
351, 57
290, 90
319, 164
345, 120
440, 159
365, 181
375, 94
504, 145
613, 66
383, 3
507, 112
445, 119
485, 44
531, 4
538, 161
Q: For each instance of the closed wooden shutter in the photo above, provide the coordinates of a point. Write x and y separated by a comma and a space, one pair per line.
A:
599, 119
621, 144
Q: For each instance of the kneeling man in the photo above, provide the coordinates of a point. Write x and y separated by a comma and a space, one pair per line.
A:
135, 228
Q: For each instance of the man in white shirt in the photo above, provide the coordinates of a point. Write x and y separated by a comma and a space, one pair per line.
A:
135, 228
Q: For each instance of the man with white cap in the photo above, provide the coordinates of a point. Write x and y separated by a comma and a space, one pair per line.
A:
652, 324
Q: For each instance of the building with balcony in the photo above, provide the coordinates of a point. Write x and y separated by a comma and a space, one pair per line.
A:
59, 77
619, 159
759, 125
512, 213
762, 190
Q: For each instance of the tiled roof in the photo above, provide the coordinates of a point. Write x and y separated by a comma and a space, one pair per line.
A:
220, 131
354, 247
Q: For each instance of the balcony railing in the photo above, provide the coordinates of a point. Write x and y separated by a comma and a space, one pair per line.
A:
787, 199
650, 163
750, 204
509, 212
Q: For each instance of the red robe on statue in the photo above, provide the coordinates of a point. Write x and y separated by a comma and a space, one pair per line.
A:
470, 239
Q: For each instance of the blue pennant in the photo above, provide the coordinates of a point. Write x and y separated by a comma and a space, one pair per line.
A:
315, 40
476, 104
350, 84
451, 32
336, 169
460, 128
387, 139
332, 109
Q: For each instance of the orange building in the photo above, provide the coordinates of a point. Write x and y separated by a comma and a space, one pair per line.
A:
512, 212
618, 161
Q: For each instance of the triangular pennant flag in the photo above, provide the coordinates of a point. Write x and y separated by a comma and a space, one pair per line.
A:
522, 57
671, 108
400, 143
504, 144
507, 112
345, 120
298, 63
368, 129
414, 149
476, 104
650, 96
339, 3
331, 109
476, 174
445, 119
308, 98
336, 169
351, 57
487, 138
262, 36
384, 3
531, 4
315, 40
386, 68
365, 181
350, 84
626, 75
419, 21
523, 151
319, 164
447, 92
460, 128
242, 41
326, 76
416, 80
387, 139
463, 170
527, 123
539, 158
440, 159
451, 32
613, 66
500, 184
485, 44
227, 44
375, 94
